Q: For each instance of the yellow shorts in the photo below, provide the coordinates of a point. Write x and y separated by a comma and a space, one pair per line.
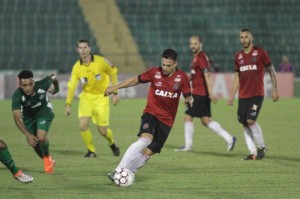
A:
95, 106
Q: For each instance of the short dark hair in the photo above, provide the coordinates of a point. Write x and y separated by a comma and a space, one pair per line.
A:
25, 74
170, 54
247, 30
83, 41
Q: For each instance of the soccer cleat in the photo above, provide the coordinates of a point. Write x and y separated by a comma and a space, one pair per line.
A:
49, 164
250, 157
230, 146
261, 153
115, 149
111, 176
90, 154
22, 177
183, 148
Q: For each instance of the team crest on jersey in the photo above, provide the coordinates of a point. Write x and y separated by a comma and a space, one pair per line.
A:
254, 107
157, 75
176, 86
193, 71
98, 76
240, 56
41, 97
145, 126
241, 61
177, 78
254, 53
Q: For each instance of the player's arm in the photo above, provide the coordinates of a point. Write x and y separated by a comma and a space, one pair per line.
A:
275, 95
31, 139
208, 80
125, 84
234, 88
114, 81
72, 85
55, 84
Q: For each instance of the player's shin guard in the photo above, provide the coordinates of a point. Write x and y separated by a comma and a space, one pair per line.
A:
250, 140
44, 147
87, 138
38, 151
137, 163
188, 134
257, 134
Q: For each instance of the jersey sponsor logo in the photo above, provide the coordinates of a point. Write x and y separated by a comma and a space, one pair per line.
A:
165, 93
41, 91
36, 105
158, 84
248, 67
157, 75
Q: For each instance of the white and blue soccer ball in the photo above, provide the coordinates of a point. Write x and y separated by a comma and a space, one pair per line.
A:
123, 177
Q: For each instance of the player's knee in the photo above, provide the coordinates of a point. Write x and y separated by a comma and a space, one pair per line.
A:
148, 152
250, 122
2, 145
42, 139
188, 118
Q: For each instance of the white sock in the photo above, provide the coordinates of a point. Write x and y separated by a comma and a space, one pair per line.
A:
188, 134
258, 136
133, 150
250, 140
138, 162
217, 128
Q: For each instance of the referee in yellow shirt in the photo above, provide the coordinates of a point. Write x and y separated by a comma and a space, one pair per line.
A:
94, 72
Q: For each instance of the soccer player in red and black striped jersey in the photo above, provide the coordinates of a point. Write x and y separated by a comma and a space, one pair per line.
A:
250, 64
167, 84
200, 76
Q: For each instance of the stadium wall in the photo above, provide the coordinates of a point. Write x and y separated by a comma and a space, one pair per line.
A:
221, 87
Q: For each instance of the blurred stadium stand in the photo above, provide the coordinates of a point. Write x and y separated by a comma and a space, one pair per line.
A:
160, 24
41, 34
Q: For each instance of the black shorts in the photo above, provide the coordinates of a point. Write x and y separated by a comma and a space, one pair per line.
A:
150, 124
200, 108
249, 108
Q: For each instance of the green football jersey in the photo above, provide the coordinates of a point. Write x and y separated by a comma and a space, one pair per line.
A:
36, 105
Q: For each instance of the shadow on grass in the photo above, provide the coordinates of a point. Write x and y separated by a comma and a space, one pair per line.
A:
68, 152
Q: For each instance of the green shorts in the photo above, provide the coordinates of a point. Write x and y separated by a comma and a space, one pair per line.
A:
42, 123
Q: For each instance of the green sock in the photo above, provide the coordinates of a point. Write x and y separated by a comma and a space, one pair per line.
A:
45, 148
7, 160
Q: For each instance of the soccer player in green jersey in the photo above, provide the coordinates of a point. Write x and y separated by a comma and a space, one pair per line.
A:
6, 159
32, 112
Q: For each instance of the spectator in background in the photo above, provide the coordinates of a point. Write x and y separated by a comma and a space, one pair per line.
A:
285, 65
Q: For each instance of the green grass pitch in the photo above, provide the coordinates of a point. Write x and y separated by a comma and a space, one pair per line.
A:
206, 172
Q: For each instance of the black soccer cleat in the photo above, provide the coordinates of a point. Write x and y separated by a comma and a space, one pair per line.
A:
90, 154
261, 153
111, 176
115, 149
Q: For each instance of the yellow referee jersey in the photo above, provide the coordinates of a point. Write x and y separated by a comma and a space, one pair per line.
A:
94, 78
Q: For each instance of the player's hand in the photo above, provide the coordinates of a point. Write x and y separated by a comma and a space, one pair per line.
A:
190, 101
32, 140
109, 90
275, 95
213, 99
68, 110
230, 101
115, 99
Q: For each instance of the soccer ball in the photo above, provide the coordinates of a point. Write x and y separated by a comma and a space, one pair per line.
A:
123, 177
